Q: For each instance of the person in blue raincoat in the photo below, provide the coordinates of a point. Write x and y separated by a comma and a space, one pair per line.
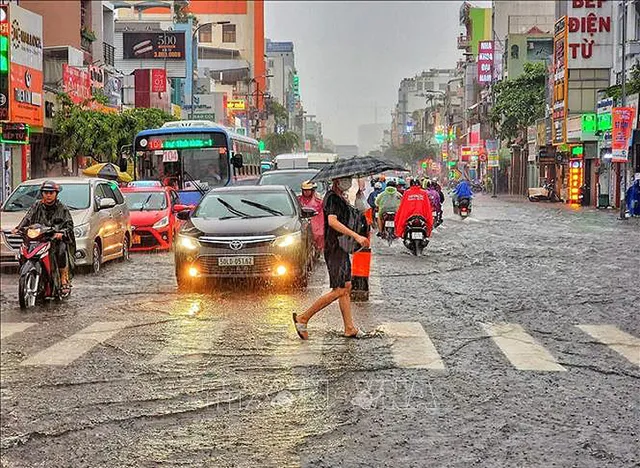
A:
633, 197
462, 190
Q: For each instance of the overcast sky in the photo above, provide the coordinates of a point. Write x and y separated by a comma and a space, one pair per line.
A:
351, 56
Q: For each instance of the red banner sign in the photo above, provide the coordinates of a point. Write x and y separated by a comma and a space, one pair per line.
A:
76, 83
158, 80
485, 62
623, 119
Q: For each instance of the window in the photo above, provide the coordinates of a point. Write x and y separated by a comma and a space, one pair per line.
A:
206, 33
442, 86
515, 52
107, 191
228, 33
116, 191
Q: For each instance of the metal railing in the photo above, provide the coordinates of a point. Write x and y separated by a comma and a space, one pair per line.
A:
109, 53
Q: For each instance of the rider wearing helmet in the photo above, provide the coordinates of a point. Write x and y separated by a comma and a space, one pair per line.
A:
310, 199
387, 202
51, 212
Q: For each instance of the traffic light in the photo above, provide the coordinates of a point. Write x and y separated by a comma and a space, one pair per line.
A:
4, 54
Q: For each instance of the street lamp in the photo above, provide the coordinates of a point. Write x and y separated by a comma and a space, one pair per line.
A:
194, 47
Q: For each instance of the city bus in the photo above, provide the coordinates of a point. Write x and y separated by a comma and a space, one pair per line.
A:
194, 156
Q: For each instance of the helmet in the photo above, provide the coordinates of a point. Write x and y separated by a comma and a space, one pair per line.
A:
50, 186
378, 185
392, 183
401, 182
308, 185
415, 182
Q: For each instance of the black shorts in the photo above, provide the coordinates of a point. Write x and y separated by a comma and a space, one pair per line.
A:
339, 266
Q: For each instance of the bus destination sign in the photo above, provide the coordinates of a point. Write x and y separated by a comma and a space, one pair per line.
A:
180, 141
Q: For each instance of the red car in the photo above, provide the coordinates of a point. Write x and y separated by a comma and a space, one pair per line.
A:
153, 216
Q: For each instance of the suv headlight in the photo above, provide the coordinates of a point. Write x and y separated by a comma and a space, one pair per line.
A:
161, 223
81, 231
188, 243
288, 240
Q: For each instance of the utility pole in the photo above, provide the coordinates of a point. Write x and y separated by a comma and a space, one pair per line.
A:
623, 166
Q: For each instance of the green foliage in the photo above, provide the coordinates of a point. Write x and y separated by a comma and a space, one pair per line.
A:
519, 102
181, 13
87, 132
279, 112
411, 153
279, 143
632, 85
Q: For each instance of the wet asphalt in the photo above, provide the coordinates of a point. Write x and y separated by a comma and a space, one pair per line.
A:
221, 379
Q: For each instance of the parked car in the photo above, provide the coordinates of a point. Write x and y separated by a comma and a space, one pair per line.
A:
100, 216
292, 178
245, 232
153, 212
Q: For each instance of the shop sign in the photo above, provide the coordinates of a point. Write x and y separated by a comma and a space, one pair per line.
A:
97, 76
590, 37
15, 133
465, 153
153, 45
113, 91
76, 83
235, 104
26, 80
623, 118
532, 134
485, 62
559, 101
493, 158
541, 133
632, 101
574, 128
158, 80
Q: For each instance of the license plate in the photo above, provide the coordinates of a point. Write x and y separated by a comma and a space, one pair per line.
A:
389, 224
136, 239
417, 235
235, 261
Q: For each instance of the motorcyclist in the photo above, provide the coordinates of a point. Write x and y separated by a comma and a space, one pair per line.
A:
415, 201
387, 202
438, 188
310, 199
377, 190
462, 190
434, 198
402, 186
51, 212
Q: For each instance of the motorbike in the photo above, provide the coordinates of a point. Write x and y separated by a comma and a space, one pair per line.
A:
39, 280
464, 207
437, 218
545, 193
477, 187
415, 237
389, 232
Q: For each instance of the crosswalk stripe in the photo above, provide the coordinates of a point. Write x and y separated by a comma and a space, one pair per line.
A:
68, 350
9, 328
412, 348
196, 337
521, 349
622, 343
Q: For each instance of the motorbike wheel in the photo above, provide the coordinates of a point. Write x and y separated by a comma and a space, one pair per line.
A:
417, 250
390, 237
533, 199
26, 284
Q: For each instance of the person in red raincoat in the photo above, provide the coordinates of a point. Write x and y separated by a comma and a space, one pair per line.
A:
310, 199
415, 201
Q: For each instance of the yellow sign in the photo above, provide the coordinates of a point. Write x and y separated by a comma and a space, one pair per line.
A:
176, 111
235, 104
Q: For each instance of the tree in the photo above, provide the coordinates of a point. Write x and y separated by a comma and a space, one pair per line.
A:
519, 102
279, 143
181, 13
411, 153
632, 85
280, 114
87, 132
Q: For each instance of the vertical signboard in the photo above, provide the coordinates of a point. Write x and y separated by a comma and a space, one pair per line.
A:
25, 88
485, 62
590, 38
623, 118
493, 159
4, 62
158, 80
559, 130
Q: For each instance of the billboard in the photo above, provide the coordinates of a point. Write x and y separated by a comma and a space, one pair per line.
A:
560, 85
169, 45
26, 80
76, 83
623, 124
485, 62
590, 33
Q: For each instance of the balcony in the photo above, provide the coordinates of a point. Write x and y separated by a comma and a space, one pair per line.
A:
109, 53
464, 42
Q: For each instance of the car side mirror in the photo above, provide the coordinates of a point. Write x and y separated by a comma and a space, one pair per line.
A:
236, 160
106, 203
308, 212
179, 208
184, 215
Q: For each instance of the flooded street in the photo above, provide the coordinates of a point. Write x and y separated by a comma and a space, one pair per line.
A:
514, 341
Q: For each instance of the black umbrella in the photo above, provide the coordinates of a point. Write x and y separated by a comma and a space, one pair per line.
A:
356, 167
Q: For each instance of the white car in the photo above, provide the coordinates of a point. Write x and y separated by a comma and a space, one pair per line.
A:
100, 217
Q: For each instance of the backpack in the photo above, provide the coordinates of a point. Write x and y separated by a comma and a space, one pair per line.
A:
357, 222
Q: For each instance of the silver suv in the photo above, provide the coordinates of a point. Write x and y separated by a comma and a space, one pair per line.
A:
100, 218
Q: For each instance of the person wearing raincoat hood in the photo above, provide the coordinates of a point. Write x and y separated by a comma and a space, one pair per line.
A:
310, 199
462, 190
